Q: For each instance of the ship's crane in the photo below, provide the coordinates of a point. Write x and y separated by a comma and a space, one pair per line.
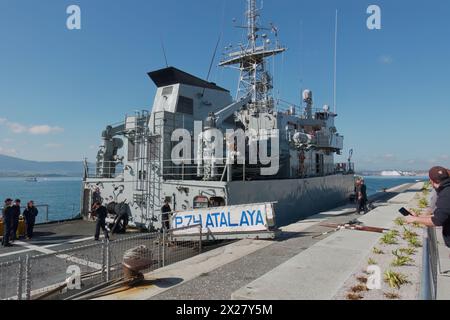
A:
107, 158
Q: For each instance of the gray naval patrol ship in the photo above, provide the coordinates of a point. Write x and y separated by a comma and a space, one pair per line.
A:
136, 171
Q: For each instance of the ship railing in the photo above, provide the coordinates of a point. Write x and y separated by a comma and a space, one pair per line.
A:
75, 273
292, 109
345, 168
190, 171
46, 216
43, 213
321, 170
104, 170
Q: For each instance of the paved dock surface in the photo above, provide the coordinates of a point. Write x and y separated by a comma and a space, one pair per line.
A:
54, 237
320, 272
305, 255
48, 267
222, 273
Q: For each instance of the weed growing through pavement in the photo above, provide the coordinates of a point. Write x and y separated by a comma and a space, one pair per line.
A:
400, 222
408, 234
354, 296
423, 203
359, 288
414, 243
392, 295
400, 259
362, 279
390, 238
377, 251
408, 251
395, 279
417, 225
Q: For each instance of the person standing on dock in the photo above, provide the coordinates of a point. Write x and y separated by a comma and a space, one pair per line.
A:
7, 214
30, 215
15, 219
440, 179
361, 197
166, 210
101, 213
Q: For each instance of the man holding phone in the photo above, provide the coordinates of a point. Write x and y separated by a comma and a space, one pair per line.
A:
440, 179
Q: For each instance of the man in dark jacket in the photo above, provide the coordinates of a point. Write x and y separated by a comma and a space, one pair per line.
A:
440, 179
166, 210
101, 213
361, 197
7, 219
15, 220
30, 215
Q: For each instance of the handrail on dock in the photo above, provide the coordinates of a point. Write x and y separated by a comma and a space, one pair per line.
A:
430, 265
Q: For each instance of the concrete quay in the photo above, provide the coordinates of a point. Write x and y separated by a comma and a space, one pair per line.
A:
307, 261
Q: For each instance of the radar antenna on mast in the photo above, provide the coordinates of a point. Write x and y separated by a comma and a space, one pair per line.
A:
255, 80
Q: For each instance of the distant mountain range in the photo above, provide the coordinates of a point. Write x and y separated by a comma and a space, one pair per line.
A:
15, 167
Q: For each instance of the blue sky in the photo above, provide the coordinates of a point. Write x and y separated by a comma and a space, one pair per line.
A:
60, 88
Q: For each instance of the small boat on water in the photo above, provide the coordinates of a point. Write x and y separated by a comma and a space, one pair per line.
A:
31, 179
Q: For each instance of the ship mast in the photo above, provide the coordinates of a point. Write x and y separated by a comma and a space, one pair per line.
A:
250, 59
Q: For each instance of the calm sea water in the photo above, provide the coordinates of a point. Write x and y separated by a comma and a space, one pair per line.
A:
376, 184
62, 195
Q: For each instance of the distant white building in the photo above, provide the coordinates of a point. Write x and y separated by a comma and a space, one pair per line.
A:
391, 173
396, 173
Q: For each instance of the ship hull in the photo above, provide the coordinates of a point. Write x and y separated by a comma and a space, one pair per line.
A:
295, 199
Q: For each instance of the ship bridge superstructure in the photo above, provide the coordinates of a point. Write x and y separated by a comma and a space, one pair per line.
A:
190, 120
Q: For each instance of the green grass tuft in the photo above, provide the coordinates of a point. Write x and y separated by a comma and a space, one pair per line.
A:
395, 279
377, 251
390, 238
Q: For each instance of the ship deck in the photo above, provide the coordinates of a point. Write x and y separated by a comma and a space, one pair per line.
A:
54, 237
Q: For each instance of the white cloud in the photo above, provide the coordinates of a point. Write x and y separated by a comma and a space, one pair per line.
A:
16, 127
386, 59
389, 156
34, 130
44, 129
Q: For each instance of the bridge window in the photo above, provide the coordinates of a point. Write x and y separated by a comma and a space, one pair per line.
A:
201, 202
167, 91
185, 105
215, 202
